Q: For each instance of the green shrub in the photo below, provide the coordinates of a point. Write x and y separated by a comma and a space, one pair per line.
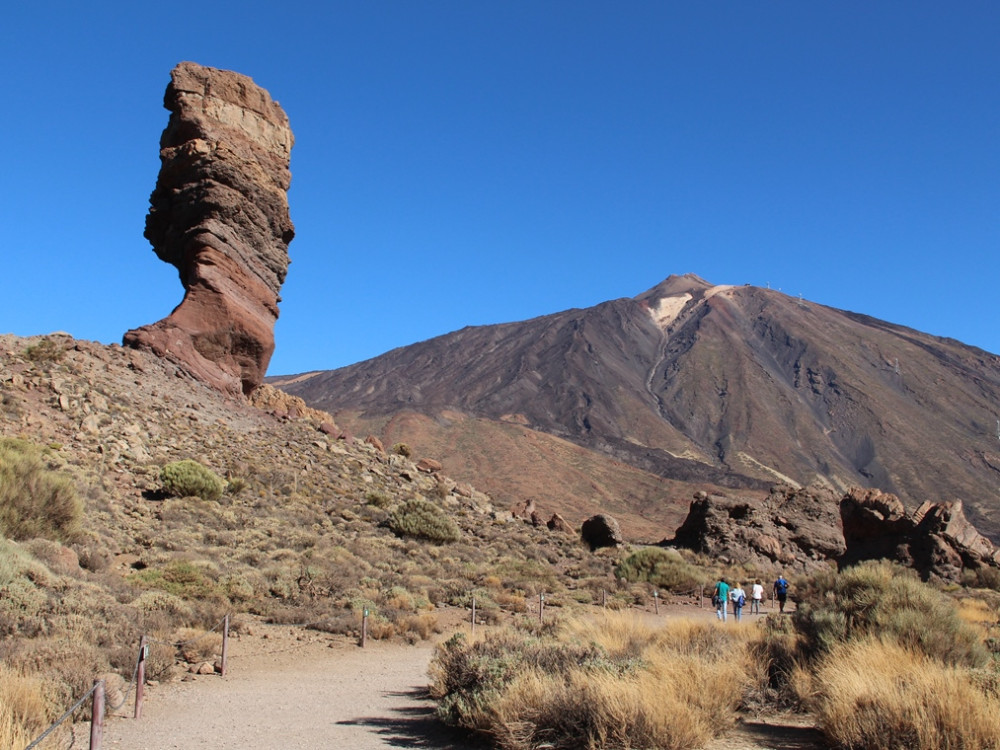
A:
189, 478
378, 499
664, 568
181, 579
422, 519
45, 351
885, 600
35, 501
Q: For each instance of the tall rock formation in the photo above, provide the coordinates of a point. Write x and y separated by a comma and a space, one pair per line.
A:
219, 213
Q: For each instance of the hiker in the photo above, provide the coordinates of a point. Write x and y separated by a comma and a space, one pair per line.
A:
720, 598
781, 592
739, 598
756, 594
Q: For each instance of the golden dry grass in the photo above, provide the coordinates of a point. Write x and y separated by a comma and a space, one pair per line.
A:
607, 682
23, 708
876, 695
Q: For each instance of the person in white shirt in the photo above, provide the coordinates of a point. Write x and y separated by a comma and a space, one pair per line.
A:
756, 595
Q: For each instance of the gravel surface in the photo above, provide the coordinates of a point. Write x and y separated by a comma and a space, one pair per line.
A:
281, 692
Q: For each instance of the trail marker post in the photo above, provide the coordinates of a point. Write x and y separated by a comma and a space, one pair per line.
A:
140, 677
541, 608
225, 645
656, 602
97, 716
473, 613
364, 628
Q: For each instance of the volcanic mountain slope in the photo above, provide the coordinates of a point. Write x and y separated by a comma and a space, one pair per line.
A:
732, 386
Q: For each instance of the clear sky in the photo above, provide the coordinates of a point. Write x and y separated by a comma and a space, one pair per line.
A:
474, 162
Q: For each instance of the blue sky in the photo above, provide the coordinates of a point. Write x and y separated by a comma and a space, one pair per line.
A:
468, 163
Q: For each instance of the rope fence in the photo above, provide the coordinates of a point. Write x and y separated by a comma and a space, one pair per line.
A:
98, 694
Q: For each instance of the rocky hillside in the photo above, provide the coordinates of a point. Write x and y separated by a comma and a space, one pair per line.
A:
736, 387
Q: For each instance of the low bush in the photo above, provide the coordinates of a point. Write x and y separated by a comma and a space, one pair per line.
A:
189, 478
34, 500
664, 568
422, 519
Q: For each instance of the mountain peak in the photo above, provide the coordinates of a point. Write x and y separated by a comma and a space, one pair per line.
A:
674, 286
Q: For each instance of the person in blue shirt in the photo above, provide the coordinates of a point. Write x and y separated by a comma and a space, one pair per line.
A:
781, 592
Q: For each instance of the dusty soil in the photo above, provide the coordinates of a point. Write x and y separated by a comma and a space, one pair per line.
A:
290, 689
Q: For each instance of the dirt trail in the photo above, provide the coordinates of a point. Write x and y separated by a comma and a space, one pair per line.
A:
281, 692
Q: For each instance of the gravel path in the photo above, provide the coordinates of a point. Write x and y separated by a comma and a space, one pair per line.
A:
282, 692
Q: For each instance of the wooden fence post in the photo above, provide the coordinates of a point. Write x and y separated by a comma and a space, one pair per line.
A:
225, 645
473, 613
364, 628
97, 716
701, 596
140, 677
604, 598
541, 608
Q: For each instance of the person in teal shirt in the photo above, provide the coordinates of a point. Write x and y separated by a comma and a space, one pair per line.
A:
721, 597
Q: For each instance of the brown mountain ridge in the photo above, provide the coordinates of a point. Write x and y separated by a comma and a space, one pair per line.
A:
694, 385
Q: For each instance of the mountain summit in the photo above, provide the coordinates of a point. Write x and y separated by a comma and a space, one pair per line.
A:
735, 386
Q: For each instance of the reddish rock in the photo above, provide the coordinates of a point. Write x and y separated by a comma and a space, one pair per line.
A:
373, 441
523, 509
558, 523
219, 213
429, 466
328, 428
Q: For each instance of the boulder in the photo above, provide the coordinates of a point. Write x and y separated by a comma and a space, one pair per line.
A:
375, 443
219, 214
601, 531
558, 523
523, 509
429, 466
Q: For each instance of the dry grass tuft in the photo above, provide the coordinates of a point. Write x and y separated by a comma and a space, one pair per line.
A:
878, 695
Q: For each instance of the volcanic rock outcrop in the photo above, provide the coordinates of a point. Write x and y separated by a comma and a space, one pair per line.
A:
792, 528
219, 213
802, 529
936, 539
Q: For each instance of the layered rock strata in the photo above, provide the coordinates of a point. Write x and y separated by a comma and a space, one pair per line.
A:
219, 213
